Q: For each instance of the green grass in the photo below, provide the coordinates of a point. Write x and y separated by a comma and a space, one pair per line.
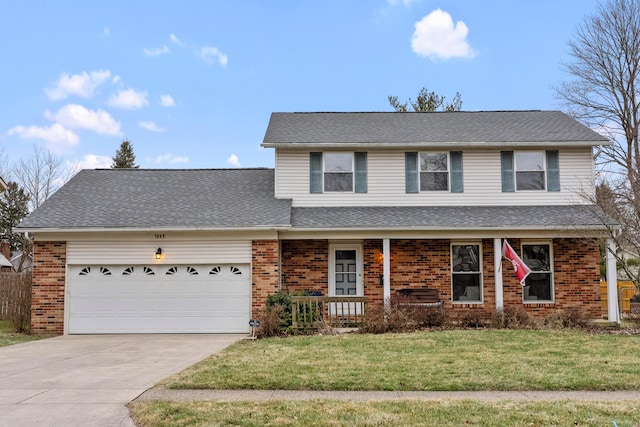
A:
9, 337
387, 413
441, 360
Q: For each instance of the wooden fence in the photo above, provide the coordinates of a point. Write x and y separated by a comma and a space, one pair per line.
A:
15, 294
310, 312
626, 290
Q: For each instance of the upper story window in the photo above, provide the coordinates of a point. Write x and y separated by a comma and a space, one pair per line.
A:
434, 171
333, 172
539, 283
338, 172
530, 171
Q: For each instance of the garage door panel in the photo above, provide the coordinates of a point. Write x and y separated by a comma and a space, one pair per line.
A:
159, 299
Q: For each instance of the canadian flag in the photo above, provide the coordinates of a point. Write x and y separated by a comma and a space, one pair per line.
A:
521, 269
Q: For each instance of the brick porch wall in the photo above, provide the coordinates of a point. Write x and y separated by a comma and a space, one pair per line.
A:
576, 277
427, 262
47, 292
264, 272
305, 265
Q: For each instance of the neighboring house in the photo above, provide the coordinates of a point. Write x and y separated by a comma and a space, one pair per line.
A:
3, 185
359, 204
16, 261
5, 264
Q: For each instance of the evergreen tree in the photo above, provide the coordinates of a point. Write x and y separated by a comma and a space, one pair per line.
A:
427, 102
14, 206
125, 158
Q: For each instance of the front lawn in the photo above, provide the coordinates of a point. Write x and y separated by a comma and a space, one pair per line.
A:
451, 360
9, 337
389, 413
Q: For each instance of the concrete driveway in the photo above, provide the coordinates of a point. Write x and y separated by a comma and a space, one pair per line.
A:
81, 380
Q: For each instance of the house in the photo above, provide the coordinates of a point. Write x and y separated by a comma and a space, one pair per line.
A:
19, 264
358, 204
5, 264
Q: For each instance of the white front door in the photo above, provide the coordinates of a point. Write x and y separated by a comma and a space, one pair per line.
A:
345, 270
345, 275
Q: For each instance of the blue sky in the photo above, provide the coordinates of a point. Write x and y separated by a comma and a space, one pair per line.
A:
192, 83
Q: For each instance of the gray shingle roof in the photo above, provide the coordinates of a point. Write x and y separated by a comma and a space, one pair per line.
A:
448, 217
486, 127
170, 198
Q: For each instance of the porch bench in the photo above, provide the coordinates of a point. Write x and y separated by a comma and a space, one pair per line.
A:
423, 297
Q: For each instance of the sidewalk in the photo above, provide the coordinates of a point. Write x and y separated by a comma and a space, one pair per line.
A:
264, 395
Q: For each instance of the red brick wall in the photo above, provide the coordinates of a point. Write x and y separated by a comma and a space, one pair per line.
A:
418, 263
264, 272
305, 265
576, 277
373, 269
427, 262
47, 292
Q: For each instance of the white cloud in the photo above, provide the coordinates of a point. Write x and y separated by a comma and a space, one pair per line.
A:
171, 159
212, 54
156, 51
59, 138
175, 39
82, 85
167, 101
437, 37
151, 126
91, 161
129, 99
78, 117
106, 32
233, 160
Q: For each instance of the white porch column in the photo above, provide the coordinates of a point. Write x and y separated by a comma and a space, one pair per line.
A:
613, 311
386, 271
497, 264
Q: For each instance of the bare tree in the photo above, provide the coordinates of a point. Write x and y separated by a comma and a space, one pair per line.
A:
603, 93
40, 175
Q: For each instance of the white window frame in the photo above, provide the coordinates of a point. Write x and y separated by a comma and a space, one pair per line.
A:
551, 273
480, 272
420, 171
325, 172
542, 153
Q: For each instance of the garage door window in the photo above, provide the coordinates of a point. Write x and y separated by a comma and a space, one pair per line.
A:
149, 272
192, 271
128, 271
105, 271
85, 271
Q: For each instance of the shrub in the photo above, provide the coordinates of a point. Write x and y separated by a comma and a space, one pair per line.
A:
374, 322
280, 299
512, 318
401, 318
472, 319
271, 319
573, 317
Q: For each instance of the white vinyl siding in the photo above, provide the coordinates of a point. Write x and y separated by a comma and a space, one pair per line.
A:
175, 251
482, 182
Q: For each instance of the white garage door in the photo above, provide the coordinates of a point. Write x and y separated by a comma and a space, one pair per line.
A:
159, 299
